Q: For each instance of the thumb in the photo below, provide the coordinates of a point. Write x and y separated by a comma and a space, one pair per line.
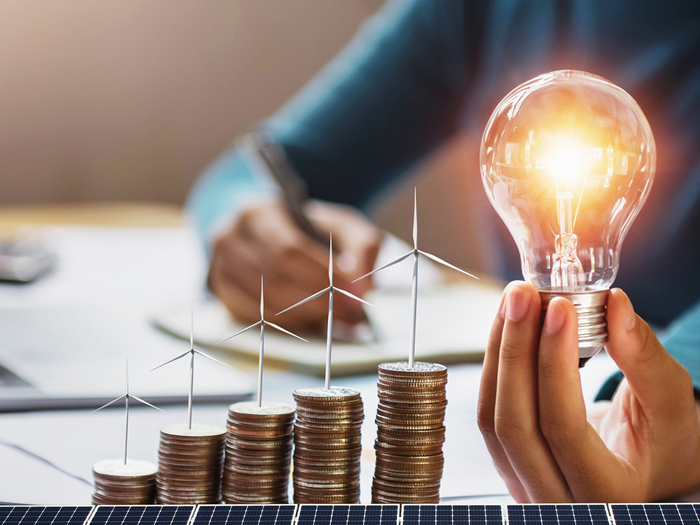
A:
653, 375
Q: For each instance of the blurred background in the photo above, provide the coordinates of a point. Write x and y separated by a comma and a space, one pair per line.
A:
128, 100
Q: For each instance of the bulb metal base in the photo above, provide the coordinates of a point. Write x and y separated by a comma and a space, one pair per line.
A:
592, 326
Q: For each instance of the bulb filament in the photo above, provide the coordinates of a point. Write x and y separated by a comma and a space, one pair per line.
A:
567, 270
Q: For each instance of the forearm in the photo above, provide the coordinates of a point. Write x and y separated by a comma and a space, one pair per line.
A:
390, 97
231, 183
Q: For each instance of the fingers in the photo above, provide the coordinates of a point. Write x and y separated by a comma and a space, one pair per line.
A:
264, 240
581, 455
516, 412
653, 375
357, 240
486, 408
235, 278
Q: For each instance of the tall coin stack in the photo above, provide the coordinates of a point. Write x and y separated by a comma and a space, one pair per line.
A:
327, 445
190, 463
119, 483
410, 433
258, 453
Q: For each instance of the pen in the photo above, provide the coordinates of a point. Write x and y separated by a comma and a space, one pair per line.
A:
293, 187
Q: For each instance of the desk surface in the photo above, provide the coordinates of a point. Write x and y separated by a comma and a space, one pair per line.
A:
123, 214
46, 457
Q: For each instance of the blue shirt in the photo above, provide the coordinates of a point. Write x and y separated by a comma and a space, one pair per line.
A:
421, 71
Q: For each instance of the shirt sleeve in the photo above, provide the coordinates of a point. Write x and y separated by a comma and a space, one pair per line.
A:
224, 189
682, 341
387, 99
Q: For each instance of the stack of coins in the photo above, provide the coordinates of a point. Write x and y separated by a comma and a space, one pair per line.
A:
190, 463
410, 433
119, 483
258, 453
327, 445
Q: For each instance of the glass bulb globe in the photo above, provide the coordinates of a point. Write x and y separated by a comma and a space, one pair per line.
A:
567, 160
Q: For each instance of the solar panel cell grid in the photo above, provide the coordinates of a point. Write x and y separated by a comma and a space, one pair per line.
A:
665, 513
689, 513
452, 514
25, 515
142, 515
348, 515
245, 515
557, 514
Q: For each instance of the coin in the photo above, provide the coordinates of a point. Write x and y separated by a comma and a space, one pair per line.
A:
327, 445
190, 462
258, 453
333, 392
410, 433
130, 483
421, 369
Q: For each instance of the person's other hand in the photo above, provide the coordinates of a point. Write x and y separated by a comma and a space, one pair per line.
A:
642, 446
264, 240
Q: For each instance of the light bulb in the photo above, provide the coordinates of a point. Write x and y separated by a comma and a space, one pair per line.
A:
567, 160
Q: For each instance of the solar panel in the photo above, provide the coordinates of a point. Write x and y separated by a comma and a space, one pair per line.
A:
142, 515
672, 513
25, 515
578, 514
452, 514
348, 515
245, 515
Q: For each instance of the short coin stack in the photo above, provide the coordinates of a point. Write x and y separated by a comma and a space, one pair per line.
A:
117, 483
410, 433
190, 463
258, 453
327, 445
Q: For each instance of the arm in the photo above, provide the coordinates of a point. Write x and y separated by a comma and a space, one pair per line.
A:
385, 101
390, 97
642, 446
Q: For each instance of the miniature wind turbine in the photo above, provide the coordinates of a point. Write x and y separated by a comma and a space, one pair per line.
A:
331, 289
126, 397
262, 324
414, 288
192, 353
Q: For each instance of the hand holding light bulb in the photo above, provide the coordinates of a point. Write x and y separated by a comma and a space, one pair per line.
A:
548, 446
567, 160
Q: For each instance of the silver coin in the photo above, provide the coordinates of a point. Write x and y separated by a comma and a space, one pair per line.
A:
416, 368
332, 392
132, 469
197, 430
251, 407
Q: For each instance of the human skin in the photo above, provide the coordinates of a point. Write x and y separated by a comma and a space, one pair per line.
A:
264, 240
548, 445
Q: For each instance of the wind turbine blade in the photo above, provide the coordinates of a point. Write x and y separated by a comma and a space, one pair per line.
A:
311, 298
415, 218
262, 299
351, 296
239, 332
192, 329
110, 403
145, 402
215, 360
330, 262
392, 263
168, 362
445, 263
285, 331
127, 375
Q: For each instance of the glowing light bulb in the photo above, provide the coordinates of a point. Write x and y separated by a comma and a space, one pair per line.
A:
567, 160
